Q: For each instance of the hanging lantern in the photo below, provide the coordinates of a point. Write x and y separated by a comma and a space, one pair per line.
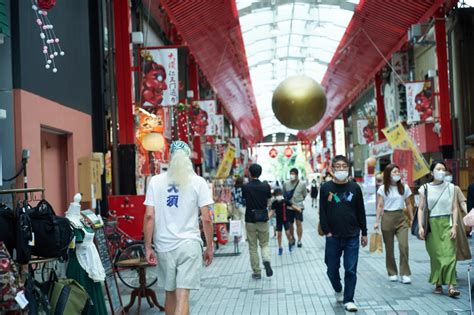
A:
153, 141
273, 153
288, 152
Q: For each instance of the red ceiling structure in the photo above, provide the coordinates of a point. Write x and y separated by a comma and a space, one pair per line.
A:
377, 29
211, 30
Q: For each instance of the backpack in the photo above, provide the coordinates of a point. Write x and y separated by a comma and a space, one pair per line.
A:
23, 235
52, 233
67, 296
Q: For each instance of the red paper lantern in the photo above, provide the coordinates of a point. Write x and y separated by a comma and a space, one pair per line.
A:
288, 152
273, 153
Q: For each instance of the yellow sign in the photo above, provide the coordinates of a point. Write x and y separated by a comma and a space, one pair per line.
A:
399, 139
220, 213
226, 164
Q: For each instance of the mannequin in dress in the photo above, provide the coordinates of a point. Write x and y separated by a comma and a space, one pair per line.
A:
85, 265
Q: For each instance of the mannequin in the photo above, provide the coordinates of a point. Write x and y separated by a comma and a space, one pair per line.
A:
85, 265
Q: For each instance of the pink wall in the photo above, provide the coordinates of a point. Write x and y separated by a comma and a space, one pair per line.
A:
33, 112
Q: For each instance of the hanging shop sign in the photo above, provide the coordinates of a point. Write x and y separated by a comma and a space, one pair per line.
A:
380, 149
390, 104
236, 143
273, 153
159, 77
288, 152
202, 117
419, 101
226, 164
400, 64
399, 139
404, 159
340, 137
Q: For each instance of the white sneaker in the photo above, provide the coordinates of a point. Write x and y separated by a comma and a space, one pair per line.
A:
393, 278
350, 307
339, 296
405, 279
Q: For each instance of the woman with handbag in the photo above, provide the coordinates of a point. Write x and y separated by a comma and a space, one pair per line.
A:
439, 231
392, 197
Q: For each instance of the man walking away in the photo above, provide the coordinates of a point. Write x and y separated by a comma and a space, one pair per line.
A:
257, 198
172, 203
295, 191
342, 218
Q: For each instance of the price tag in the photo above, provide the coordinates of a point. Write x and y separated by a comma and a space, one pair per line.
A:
21, 299
32, 242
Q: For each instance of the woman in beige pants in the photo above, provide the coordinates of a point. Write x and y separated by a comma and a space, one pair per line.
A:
392, 197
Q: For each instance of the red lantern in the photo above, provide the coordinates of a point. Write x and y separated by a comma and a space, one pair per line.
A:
273, 153
288, 152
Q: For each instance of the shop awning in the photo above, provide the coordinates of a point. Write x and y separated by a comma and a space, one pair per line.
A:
4, 28
212, 32
377, 29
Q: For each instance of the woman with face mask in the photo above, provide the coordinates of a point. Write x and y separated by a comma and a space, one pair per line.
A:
463, 250
392, 197
440, 238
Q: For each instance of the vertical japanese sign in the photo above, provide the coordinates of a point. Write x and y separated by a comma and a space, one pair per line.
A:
236, 143
340, 139
160, 81
219, 121
404, 159
399, 139
226, 164
390, 104
419, 101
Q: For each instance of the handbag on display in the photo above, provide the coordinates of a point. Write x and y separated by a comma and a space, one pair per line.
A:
10, 284
260, 215
52, 233
7, 224
23, 235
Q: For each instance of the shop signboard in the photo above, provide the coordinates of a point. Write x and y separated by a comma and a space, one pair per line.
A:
404, 159
419, 101
236, 143
362, 125
380, 149
159, 77
203, 117
390, 104
399, 139
226, 164
340, 139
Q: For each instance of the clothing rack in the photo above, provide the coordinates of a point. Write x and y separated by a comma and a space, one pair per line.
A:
25, 191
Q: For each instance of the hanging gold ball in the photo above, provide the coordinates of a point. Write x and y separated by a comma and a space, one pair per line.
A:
299, 102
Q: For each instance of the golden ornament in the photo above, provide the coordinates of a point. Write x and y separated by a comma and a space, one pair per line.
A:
299, 102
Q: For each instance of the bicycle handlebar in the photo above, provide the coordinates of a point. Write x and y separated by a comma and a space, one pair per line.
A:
113, 215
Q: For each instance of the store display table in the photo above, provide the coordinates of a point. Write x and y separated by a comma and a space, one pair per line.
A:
142, 291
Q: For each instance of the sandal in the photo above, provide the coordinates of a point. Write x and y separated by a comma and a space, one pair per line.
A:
452, 292
438, 290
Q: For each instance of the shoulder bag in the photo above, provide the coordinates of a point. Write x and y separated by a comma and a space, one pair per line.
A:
426, 215
289, 194
260, 215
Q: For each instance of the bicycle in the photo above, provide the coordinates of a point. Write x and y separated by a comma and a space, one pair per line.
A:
123, 247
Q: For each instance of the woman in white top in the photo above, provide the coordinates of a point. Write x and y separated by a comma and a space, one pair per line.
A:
392, 197
440, 237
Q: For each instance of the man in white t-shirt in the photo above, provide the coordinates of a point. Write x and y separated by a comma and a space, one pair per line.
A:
173, 203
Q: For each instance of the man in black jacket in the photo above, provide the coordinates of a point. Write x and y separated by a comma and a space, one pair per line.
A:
342, 218
257, 200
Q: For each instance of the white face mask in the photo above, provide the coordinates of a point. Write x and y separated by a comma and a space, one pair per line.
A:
395, 178
341, 175
293, 177
279, 198
448, 179
439, 175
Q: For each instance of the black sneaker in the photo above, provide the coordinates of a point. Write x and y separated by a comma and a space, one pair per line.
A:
268, 268
299, 244
256, 276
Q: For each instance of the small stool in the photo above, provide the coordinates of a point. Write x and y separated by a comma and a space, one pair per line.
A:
142, 291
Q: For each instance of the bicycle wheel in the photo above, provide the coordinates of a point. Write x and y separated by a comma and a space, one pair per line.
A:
129, 276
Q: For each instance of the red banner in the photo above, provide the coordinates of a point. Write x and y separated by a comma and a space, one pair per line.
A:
404, 159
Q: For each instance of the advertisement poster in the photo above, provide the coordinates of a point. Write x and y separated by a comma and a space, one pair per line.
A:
226, 164
404, 159
236, 143
340, 139
419, 101
390, 104
219, 123
159, 77
380, 149
399, 139
202, 117
362, 126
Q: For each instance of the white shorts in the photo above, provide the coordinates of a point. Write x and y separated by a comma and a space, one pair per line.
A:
181, 267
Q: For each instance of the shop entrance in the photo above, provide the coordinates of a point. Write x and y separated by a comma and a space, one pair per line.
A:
54, 152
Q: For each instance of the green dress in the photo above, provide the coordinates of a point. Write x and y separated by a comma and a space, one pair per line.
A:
75, 271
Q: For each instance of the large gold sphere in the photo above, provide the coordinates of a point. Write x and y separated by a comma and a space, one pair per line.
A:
299, 102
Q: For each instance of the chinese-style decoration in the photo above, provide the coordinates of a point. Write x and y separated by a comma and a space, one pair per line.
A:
159, 78
288, 152
51, 47
199, 119
419, 101
273, 153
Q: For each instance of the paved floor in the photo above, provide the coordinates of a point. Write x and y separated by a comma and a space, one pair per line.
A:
300, 284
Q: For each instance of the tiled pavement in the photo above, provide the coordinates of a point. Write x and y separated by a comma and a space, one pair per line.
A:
300, 285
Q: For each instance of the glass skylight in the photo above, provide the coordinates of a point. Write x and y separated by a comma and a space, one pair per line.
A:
284, 38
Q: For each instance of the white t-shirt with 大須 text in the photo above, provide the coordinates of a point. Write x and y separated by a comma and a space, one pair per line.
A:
176, 210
